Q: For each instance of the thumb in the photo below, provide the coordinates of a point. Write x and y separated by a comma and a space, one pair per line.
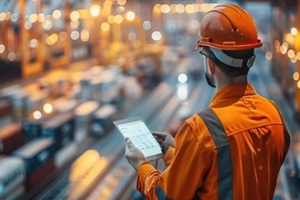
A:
129, 143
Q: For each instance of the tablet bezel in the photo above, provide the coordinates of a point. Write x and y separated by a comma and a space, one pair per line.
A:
134, 119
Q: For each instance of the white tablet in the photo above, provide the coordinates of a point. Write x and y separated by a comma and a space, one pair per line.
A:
141, 136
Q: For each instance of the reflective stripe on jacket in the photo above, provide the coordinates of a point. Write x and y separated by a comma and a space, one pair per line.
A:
233, 150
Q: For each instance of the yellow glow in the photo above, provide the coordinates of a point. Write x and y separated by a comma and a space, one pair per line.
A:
74, 24
291, 53
180, 8
95, 10
298, 55
84, 36
296, 76
33, 18
41, 17
105, 26
83, 164
48, 108
54, 38
289, 38
173, 8
294, 31
111, 19
165, 8
2, 16
121, 2
37, 115
130, 16
294, 59
284, 48
205, 7
157, 8
84, 13
74, 16
190, 8
118, 19
298, 84
269, 55
56, 14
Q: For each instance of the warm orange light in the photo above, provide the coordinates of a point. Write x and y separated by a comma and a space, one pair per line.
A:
33, 18
289, 38
294, 59
180, 8
165, 8
121, 2
74, 24
157, 8
298, 84
296, 76
118, 19
2, 16
284, 48
105, 26
190, 8
84, 35
111, 19
291, 53
74, 16
56, 14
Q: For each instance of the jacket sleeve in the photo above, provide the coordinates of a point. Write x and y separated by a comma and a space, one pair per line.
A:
169, 155
183, 177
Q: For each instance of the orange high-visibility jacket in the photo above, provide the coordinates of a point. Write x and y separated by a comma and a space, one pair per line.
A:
233, 150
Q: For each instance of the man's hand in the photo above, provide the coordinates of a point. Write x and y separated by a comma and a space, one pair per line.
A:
165, 140
134, 156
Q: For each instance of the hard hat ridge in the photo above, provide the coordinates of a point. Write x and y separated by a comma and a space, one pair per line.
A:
228, 27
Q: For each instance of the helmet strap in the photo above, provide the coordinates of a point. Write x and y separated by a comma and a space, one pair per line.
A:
233, 62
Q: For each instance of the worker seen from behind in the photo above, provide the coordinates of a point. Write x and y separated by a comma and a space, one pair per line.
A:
233, 149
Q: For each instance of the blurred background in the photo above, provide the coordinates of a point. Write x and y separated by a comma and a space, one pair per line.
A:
68, 68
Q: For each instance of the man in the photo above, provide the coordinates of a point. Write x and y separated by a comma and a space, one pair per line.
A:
233, 149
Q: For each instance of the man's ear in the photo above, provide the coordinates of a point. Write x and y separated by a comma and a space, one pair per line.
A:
211, 66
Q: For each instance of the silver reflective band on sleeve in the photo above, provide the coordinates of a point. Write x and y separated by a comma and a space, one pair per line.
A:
217, 132
226, 59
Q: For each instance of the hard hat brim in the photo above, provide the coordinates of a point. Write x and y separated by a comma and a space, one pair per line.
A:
230, 47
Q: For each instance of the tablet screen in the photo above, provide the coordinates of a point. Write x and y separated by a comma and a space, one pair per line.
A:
141, 137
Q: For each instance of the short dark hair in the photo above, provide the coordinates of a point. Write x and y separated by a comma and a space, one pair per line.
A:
227, 69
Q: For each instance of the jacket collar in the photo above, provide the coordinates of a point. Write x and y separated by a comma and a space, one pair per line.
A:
229, 94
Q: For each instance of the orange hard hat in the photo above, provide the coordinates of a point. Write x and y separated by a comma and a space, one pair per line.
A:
228, 27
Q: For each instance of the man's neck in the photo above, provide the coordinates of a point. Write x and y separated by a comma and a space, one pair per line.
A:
230, 81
